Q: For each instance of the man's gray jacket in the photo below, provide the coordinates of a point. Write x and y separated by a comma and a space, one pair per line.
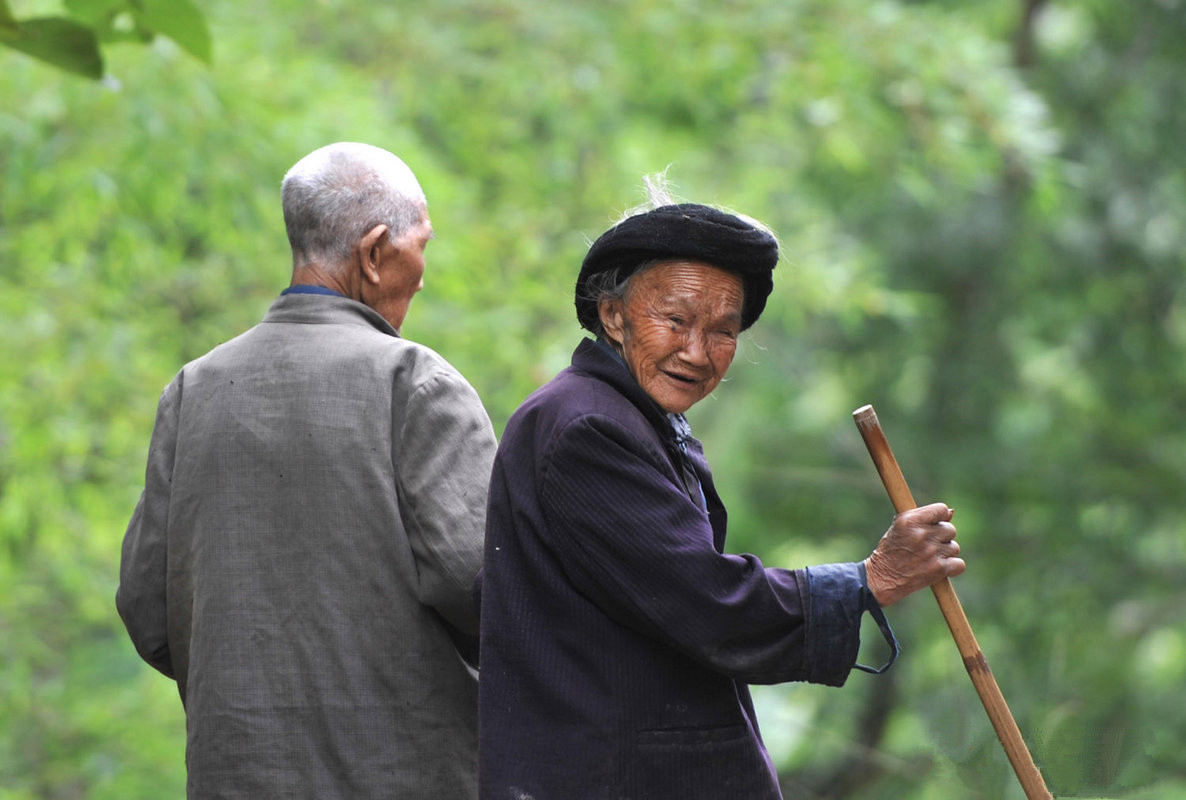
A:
302, 558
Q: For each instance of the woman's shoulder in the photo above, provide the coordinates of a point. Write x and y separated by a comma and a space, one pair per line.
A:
574, 395
575, 409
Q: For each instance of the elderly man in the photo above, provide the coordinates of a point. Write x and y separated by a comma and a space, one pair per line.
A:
302, 557
618, 637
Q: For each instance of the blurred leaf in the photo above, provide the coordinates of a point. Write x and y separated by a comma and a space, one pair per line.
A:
8, 22
59, 41
180, 20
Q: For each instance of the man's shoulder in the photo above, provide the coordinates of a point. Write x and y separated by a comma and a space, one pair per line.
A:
357, 350
211, 359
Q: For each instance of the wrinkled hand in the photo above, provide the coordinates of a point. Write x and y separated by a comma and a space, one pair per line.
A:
917, 551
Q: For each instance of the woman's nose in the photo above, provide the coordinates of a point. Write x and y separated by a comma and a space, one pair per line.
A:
695, 349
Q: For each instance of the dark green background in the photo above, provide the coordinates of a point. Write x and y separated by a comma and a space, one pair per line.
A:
983, 220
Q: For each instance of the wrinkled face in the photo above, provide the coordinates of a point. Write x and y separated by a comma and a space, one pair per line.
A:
677, 330
401, 272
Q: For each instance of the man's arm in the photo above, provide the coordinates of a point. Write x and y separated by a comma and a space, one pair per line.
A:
446, 448
140, 598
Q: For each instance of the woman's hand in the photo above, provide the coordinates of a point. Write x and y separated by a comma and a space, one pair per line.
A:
918, 550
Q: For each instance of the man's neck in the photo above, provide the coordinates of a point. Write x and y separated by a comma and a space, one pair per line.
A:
316, 275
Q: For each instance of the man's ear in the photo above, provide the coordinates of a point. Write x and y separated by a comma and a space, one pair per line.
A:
369, 252
612, 321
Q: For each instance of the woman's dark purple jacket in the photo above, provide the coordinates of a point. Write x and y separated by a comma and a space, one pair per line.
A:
617, 638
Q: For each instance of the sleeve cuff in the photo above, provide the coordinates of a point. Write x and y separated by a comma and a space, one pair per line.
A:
837, 597
875, 611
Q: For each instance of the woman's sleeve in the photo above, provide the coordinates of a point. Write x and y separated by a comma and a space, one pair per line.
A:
634, 543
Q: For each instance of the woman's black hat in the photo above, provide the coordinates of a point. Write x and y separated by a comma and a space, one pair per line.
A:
683, 231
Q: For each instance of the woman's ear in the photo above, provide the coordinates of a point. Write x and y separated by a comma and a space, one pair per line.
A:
370, 253
612, 319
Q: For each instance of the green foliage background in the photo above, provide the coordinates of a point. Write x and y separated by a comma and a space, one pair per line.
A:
981, 206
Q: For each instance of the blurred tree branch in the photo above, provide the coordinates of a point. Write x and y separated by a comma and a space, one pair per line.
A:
1023, 40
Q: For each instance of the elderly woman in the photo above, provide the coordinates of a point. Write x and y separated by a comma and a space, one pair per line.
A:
618, 637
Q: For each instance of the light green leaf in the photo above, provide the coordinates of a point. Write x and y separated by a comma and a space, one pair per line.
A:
58, 41
180, 20
95, 13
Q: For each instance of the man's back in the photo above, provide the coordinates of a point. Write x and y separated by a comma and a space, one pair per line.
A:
315, 536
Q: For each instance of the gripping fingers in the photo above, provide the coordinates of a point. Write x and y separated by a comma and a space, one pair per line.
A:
945, 532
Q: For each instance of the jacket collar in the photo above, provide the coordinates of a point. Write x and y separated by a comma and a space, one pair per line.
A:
598, 360
320, 309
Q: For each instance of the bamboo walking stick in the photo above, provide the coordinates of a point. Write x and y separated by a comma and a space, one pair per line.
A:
974, 661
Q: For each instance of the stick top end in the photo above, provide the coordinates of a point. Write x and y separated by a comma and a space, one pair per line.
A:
865, 417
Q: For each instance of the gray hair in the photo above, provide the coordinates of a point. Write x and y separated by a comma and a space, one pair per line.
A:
612, 285
336, 194
658, 194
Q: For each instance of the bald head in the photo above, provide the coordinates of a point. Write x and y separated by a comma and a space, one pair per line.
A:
336, 194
